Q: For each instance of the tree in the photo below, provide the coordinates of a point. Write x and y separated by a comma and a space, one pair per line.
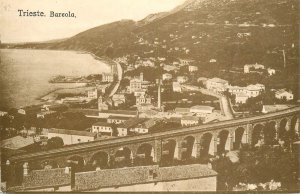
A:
55, 143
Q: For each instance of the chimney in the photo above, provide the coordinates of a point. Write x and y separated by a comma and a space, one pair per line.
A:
142, 76
159, 95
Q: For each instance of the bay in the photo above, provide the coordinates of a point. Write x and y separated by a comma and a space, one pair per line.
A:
25, 74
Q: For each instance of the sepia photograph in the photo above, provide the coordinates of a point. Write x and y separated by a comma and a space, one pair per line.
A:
149, 96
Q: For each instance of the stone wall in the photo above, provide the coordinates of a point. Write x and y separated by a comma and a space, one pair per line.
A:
114, 177
161, 178
46, 178
199, 184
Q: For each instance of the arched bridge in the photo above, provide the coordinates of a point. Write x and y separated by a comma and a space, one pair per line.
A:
198, 142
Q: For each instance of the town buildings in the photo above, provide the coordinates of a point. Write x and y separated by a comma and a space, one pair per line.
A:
117, 119
102, 105
30, 110
182, 79
187, 121
249, 67
143, 99
118, 99
241, 98
176, 87
71, 136
217, 84
167, 76
202, 109
283, 94
107, 77
93, 94
102, 128
132, 126
274, 108
193, 68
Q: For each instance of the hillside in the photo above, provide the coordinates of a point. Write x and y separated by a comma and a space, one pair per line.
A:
234, 32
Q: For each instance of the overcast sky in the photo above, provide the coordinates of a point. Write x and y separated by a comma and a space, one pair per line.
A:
89, 13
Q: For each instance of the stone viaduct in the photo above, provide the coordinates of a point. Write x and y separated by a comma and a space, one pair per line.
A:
181, 144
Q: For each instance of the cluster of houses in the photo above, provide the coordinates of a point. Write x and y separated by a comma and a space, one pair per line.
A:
258, 68
242, 94
124, 126
42, 111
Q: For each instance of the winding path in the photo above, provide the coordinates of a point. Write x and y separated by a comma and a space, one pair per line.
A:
120, 76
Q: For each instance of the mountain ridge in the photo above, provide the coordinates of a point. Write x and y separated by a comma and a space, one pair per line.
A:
244, 30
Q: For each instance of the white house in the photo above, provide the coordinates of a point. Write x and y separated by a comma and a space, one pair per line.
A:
167, 76
3, 113
193, 68
217, 84
143, 99
202, 109
118, 99
176, 87
93, 94
129, 126
254, 90
249, 91
248, 67
30, 110
189, 121
140, 92
182, 79
271, 71
135, 85
71, 136
241, 98
283, 94
102, 128
117, 119
107, 77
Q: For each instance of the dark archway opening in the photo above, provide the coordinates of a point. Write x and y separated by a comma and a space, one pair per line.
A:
257, 134
123, 158
99, 160
168, 152
205, 143
187, 146
270, 134
238, 136
144, 155
222, 137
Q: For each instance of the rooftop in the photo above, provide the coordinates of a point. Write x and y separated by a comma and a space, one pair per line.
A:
141, 175
119, 117
125, 112
219, 80
102, 124
190, 118
16, 142
276, 107
90, 112
32, 108
182, 110
71, 132
132, 122
201, 107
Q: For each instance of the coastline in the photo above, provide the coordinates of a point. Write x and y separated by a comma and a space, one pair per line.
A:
57, 91
51, 94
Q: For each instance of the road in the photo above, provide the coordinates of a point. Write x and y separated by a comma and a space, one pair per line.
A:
120, 76
225, 105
